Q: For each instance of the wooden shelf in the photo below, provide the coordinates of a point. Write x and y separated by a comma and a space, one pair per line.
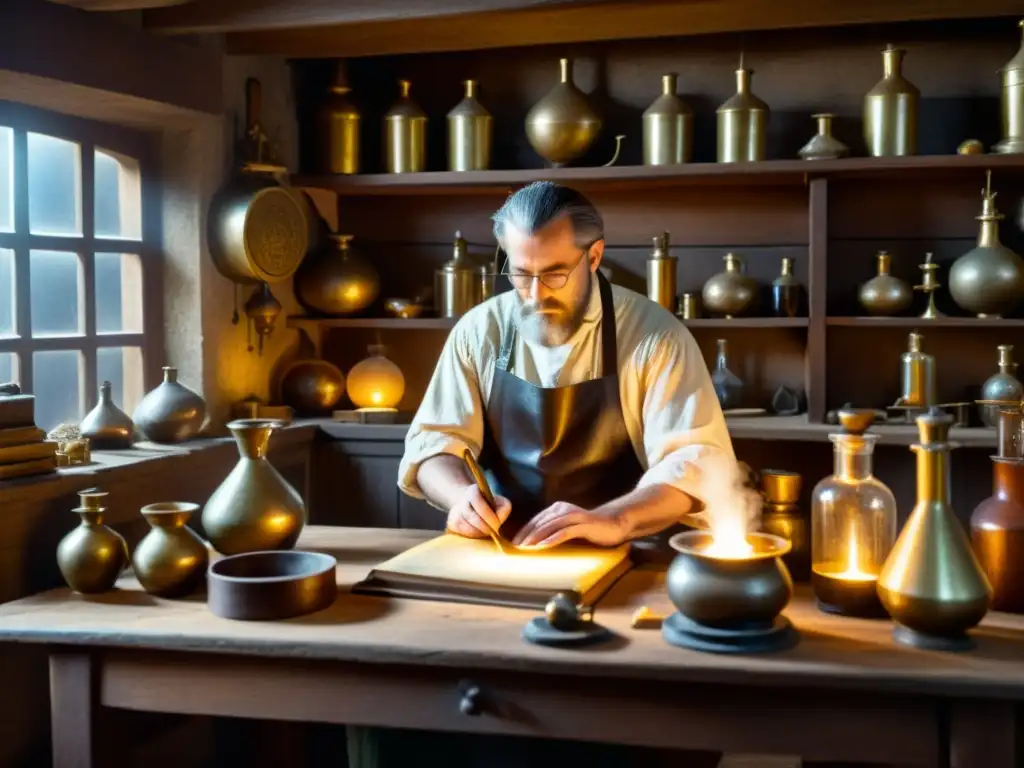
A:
435, 323
746, 322
798, 428
918, 322
769, 172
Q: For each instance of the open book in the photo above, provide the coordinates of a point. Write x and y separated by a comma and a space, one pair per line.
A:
456, 569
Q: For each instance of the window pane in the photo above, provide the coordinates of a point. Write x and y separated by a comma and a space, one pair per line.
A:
57, 385
122, 367
8, 367
118, 293
6, 179
55, 279
54, 186
118, 199
8, 319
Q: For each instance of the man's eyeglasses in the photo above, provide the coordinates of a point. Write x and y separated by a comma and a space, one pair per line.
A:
553, 280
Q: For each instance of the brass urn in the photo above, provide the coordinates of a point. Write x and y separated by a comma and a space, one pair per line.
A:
562, 125
1012, 101
336, 279
172, 412
405, 134
171, 559
106, 426
312, 387
932, 584
823, 145
668, 127
92, 556
742, 123
337, 127
469, 133
890, 110
730, 292
884, 294
988, 280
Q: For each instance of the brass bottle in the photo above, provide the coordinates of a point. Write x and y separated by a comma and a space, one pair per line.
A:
469, 133
823, 145
884, 294
917, 370
92, 556
338, 127
890, 110
336, 279
405, 134
742, 123
787, 293
458, 283
988, 280
661, 273
171, 559
668, 127
1003, 385
1012, 100
730, 292
562, 125
106, 426
932, 584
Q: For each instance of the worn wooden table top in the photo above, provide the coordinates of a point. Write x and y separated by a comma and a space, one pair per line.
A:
833, 652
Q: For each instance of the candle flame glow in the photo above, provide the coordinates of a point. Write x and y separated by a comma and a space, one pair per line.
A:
853, 571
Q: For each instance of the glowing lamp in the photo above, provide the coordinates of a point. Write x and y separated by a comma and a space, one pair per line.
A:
376, 383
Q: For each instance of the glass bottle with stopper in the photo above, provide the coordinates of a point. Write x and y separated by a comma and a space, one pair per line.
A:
853, 523
929, 285
932, 584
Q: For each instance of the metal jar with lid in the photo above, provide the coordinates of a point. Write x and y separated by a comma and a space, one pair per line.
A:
1012, 99
459, 283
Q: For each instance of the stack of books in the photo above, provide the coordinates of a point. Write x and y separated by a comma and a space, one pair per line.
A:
24, 449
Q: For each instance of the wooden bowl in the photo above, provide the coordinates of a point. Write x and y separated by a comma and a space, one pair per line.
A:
271, 585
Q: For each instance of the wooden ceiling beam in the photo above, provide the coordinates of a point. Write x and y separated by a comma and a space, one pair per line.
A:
206, 16
632, 19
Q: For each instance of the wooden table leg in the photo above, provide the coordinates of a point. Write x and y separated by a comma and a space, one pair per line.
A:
72, 710
983, 734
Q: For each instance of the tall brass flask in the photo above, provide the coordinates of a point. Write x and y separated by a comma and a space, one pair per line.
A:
469, 133
932, 584
405, 134
1012, 142
918, 375
338, 127
661, 274
459, 283
742, 123
562, 125
890, 110
988, 280
668, 127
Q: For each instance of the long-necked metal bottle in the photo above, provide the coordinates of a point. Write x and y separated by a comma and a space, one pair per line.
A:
932, 584
405, 134
562, 125
469, 133
668, 127
890, 110
1013, 104
988, 280
917, 371
338, 127
1003, 386
742, 123
661, 273
853, 523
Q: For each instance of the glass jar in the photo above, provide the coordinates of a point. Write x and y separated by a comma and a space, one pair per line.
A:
853, 529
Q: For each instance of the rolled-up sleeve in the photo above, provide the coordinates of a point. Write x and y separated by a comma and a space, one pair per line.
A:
682, 421
450, 418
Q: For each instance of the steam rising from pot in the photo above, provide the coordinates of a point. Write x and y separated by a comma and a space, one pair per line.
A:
731, 509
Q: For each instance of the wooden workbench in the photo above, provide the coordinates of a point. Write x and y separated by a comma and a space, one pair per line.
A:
846, 692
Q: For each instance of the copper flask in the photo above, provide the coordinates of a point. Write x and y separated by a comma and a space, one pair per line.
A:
668, 127
469, 133
932, 584
890, 110
742, 123
405, 134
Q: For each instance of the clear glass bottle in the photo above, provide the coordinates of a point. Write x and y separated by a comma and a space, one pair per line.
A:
853, 524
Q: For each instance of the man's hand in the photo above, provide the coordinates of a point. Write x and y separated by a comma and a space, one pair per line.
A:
472, 515
563, 521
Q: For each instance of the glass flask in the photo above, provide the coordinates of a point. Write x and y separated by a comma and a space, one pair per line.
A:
853, 524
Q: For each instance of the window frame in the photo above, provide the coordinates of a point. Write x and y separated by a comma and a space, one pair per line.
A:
90, 135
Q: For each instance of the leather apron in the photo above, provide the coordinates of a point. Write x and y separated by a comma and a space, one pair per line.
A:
548, 444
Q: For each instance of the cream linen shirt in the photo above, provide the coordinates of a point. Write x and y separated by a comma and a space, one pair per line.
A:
668, 402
